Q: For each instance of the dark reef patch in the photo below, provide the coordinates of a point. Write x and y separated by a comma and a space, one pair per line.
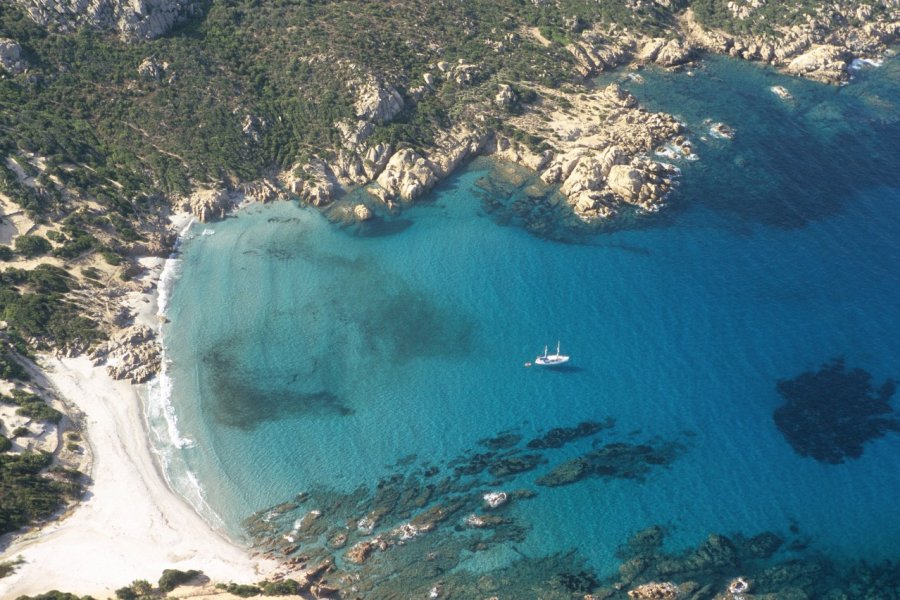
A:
418, 533
617, 460
421, 527
501, 441
237, 402
831, 413
559, 436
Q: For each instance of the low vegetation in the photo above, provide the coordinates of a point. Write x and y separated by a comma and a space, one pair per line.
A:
29, 494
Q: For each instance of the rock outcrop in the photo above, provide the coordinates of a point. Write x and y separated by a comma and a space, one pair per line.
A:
655, 591
598, 161
208, 204
133, 354
820, 62
11, 56
596, 51
132, 19
406, 176
314, 182
377, 101
819, 49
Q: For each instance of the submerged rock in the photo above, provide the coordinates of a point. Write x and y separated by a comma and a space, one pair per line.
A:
615, 461
559, 436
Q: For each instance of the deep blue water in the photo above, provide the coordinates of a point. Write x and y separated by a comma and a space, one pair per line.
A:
307, 356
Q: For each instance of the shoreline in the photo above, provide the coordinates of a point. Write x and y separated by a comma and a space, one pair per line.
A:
130, 524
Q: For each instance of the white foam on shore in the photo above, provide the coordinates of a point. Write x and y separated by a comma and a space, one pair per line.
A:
168, 442
858, 63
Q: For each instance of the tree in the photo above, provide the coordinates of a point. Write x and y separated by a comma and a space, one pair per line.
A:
32, 245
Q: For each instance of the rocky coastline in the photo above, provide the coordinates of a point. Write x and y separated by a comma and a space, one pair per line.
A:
596, 145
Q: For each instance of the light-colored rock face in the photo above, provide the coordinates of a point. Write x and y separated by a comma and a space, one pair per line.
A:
818, 49
454, 146
132, 354
362, 212
377, 101
150, 69
375, 159
505, 98
825, 63
314, 182
406, 176
595, 52
207, 205
133, 19
11, 56
673, 53
625, 181
655, 591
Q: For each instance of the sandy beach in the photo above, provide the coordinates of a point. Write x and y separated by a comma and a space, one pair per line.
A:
130, 524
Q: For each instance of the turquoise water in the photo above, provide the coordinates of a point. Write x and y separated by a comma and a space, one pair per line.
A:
306, 356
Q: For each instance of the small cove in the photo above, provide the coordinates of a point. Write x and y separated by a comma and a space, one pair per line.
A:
307, 357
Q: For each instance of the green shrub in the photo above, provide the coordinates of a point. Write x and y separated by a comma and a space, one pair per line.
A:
126, 593
243, 590
21, 432
9, 567
28, 495
142, 587
5, 443
287, 587
172, 578
32, 245
111, 257
34, 407
10, 369
6, 253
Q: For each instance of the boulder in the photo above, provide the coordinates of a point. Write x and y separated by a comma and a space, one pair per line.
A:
673, 53
316, 183
655, 591
406, 176
150, 69
823, 63
208, 204
377, 101
376, 159
11, 56
454, 146
354, 132
625, 181
506, 98
650, 50
362, 212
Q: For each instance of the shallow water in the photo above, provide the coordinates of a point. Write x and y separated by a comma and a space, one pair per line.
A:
306, 356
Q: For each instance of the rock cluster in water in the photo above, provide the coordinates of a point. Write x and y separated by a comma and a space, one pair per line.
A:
618, 460
831, 413
408, 532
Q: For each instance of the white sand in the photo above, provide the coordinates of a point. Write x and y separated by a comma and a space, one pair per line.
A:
130, 525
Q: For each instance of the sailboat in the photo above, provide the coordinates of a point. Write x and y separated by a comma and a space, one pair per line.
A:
550, 360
